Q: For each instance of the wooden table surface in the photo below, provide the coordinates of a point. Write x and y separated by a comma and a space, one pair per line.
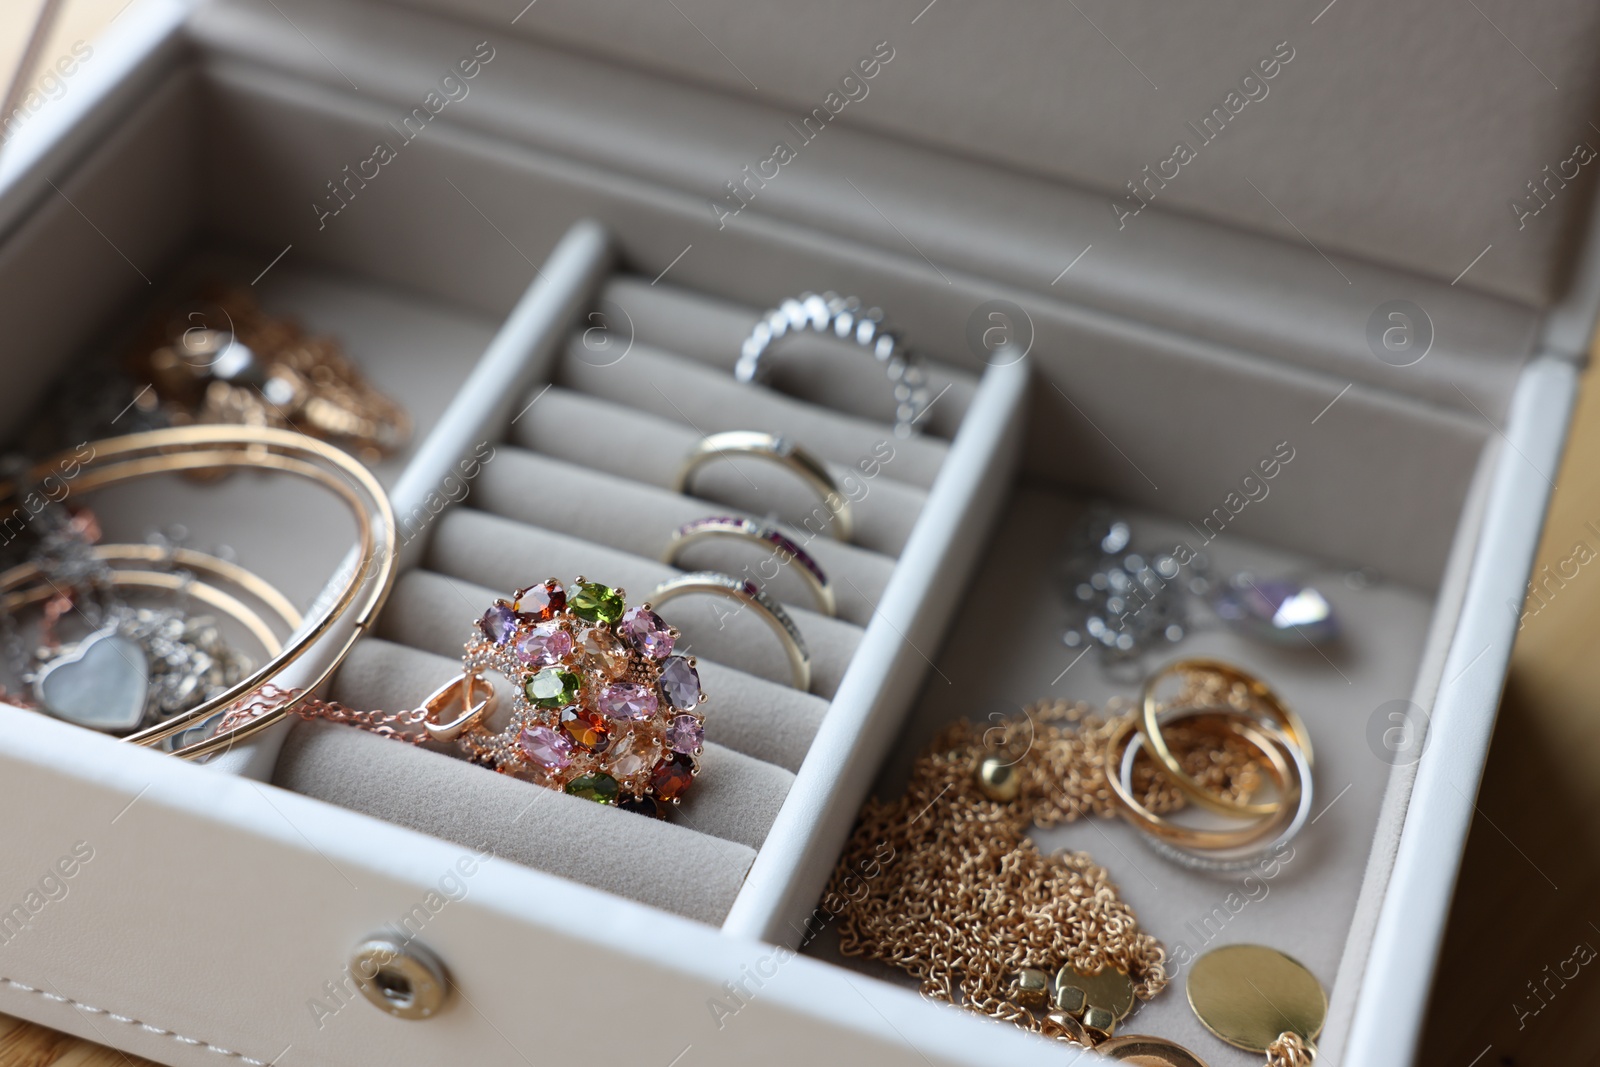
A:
1528, 905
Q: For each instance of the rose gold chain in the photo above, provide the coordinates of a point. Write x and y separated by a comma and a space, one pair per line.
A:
946, 885
399, 725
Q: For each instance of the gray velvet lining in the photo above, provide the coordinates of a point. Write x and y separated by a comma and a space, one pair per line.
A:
649, 449
672, 867
504, 555
583, 487
640, 519
710, 401
824, 370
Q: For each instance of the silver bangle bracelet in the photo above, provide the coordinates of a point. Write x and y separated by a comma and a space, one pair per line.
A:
748, 594
734, 528
844, 318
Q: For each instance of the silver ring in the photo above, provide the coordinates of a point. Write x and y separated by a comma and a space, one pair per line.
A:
843, 317
732, 527
746, 593
1233, 859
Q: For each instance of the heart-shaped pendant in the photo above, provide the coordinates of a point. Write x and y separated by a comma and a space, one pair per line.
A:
102, 684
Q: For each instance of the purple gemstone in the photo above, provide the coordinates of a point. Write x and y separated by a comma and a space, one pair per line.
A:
644, 630
546, 747
498, 622
680, 683
547, 643
624, 700
685, 735
1277, 610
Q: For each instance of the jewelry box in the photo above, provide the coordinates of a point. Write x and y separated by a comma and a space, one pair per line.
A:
1348, 238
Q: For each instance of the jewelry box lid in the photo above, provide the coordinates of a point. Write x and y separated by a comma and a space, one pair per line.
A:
1421, 135
1366, 157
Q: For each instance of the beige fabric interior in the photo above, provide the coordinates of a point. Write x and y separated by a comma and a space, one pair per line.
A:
1168, 422
1413, 169
1309, 907
1217, 401
645, 153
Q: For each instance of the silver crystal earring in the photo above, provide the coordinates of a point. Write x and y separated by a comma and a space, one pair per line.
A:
1124, 602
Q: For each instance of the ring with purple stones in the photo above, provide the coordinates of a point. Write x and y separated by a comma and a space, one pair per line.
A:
748, 594
759, 533
602, 708
835, 510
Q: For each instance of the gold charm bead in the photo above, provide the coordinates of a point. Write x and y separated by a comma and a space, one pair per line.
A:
1228, 992
1145, 1051
999, 780
1060, 1025
1030, 986
1100, 1001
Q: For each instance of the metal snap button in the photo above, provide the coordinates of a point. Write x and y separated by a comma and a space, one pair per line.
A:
403, 979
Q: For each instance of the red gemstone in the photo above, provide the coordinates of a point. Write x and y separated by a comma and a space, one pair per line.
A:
587, 729
542, 601
671, 777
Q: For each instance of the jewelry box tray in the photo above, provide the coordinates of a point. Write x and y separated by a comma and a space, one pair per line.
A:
218, 909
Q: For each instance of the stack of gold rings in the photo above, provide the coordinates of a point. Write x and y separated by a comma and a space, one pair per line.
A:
1244, 708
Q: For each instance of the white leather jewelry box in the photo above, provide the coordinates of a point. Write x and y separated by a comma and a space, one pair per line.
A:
1358, 231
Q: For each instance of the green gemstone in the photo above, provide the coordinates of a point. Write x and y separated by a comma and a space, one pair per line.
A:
599, 787
553, 688
594, 602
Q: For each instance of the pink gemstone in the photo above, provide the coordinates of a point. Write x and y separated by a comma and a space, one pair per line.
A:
645, 631
686, 734
546, 747
545, 644
624, 700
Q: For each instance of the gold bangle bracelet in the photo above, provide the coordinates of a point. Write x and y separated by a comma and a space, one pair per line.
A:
212, 448
748, 594
782, 451
1272, 710
1241, 725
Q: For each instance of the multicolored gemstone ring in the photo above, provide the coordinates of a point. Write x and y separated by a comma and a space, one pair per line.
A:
601, 709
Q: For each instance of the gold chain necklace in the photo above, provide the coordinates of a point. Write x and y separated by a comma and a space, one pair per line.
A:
968, 905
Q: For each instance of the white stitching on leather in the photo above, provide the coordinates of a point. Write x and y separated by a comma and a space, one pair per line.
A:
180, 1038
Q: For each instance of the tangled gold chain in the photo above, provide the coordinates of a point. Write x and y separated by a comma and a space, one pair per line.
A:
945, 884
1290, 1050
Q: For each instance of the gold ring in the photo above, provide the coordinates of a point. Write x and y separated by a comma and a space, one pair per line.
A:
784, 452
1284, 776
732, 527
746, 594
1271, 710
